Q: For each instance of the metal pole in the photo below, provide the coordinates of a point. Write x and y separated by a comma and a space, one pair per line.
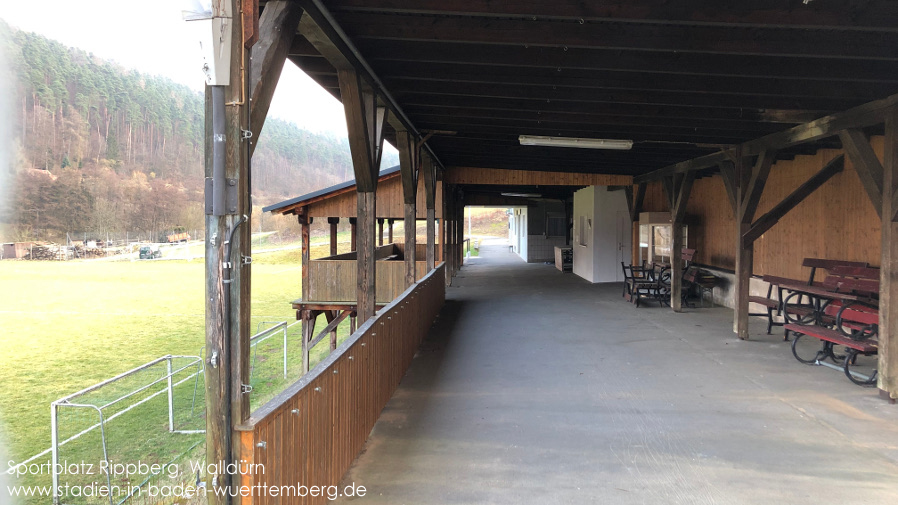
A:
54, 435
171, 397
285, 350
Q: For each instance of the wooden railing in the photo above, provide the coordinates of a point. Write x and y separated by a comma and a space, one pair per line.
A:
333, 278
310, 434
421, 251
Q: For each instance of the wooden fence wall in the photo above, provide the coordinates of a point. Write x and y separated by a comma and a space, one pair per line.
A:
421, 250
335, 280
837, 221
311, 433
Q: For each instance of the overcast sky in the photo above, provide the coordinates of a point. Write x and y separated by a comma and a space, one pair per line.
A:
151, 37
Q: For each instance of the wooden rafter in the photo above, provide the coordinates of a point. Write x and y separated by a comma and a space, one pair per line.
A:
859, 117
838, 14
277, 29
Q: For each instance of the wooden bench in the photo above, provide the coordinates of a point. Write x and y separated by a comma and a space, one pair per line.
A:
699, 281
653, 283
774, 306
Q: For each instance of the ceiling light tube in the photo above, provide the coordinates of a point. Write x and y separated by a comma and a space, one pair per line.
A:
536, 140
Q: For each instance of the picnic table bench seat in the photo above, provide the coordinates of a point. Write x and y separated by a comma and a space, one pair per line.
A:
845, 314
832, 338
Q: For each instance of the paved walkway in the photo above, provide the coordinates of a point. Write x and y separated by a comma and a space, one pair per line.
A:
538, 387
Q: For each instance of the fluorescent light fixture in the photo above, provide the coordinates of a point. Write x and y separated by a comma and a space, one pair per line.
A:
536, 140
523, 195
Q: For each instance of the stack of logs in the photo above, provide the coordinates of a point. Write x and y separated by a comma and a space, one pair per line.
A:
46, 252
51, 252
88, 252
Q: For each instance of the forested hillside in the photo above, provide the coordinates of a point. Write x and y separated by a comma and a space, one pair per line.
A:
99, 148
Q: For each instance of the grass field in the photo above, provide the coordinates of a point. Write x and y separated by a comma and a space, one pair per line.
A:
68, 325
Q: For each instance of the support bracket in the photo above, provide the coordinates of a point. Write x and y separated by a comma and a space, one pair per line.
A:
232, 195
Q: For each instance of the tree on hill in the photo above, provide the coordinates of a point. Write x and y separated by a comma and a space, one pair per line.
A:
125, 149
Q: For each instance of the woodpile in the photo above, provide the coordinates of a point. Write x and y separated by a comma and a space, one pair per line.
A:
88, 252
57, 252
46, 252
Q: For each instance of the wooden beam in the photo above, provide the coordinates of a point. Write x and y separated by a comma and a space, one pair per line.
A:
353, 235
322, 36
333, 222
768, 220
866, 164
409, 167
751, 196
635, 200
367, 273
684, 189
622, 59
430, 199
409, 164
305, 223
608, 79
390, 230
277, 29
727, 173
869, 114
602, 33
681, 188
888, 284
460, 233
319, 27
365, 125
466, 175
380, 231
744, 252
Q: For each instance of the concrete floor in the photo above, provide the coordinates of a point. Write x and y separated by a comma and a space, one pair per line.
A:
538, 387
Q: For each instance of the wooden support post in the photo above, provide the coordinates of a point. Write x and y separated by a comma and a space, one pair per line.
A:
380, 231
390, 230
308, 332
227, 278
409, 166
353, 236
460, 236
748, 185
307, 321
679, 187
365, 121
333, 222
365, 258
430, 198
305, 228
330, 315
888, 284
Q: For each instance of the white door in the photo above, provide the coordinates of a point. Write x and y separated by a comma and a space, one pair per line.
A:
624, 242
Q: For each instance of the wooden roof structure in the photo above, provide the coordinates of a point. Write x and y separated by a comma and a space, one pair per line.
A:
701, 88
680, 79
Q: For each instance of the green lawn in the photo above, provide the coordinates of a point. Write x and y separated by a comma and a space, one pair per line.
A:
68, 325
